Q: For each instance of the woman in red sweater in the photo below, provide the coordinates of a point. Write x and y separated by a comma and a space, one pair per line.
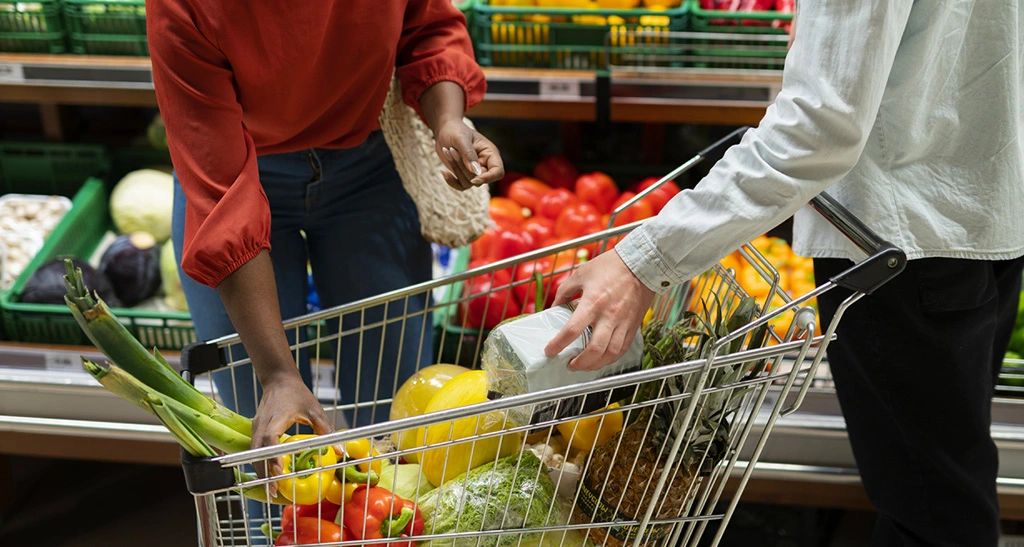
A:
271, 112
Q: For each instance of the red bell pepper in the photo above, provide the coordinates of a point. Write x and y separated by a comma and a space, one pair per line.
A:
511, 242
554, 202
310, 530
323, 510
506, 213
526, 289
577, 221
660, 196
416, 525
527, 192
597, 189
483, 247
557, 171
375, 513
539, 227
637, 211
491, 301
506, 182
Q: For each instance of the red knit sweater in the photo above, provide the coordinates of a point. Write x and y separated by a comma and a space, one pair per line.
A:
238, 79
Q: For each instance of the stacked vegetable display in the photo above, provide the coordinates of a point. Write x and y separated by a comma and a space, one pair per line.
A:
555, 205
133, 267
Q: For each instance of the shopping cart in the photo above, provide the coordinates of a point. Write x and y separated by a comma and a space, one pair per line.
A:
660, 479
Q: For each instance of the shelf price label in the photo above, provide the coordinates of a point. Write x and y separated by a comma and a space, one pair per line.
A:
559, 88
61, 361
11, 73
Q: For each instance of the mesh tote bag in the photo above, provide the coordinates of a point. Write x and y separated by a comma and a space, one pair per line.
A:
448, 216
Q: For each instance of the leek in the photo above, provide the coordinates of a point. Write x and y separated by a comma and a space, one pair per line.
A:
114, 340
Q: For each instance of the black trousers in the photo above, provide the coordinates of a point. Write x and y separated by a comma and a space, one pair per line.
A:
915, 367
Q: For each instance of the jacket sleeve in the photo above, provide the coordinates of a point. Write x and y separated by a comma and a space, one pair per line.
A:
435, 47
810, 137
228, 218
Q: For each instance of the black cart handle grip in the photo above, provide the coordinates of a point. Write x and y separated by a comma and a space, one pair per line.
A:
885, 261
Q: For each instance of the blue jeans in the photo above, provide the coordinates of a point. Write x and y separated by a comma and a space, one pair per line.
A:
362, 238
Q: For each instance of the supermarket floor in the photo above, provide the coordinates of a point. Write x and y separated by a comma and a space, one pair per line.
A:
72, 503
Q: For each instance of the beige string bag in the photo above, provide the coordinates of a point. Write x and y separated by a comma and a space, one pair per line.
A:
448, 216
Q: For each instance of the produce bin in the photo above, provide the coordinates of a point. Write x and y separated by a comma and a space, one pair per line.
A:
107, 27
754, 40
40, 168
31, 27
459, 342
78, 235
567, 38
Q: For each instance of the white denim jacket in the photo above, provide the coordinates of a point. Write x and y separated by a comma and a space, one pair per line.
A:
909, 112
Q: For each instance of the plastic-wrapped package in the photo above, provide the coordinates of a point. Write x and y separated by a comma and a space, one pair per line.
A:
515, 363
512, 493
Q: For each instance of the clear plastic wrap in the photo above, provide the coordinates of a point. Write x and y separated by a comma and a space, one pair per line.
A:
515, 363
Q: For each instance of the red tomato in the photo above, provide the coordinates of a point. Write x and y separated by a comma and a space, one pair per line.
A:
506, 212
539, 227
507, 180
527, 192
474, 264
511, 242
554, 202
597, 189
492, 301
557, 171
637, 211
577, 221
556, 282
483, 247
525, 292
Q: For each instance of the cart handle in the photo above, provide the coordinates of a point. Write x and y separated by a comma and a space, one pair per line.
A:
885, 260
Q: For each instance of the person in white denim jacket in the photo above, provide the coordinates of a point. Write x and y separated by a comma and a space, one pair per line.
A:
910, 114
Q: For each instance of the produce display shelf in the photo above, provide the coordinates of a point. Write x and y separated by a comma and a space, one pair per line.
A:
807, 459
624, 94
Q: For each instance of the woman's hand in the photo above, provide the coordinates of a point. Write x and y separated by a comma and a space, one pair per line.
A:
472, 160
286, 401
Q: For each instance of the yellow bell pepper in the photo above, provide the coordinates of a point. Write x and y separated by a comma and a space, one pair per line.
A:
311, 487
347, 479
587, 433
647, 317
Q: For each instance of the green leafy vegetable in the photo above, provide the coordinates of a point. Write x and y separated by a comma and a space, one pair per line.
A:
513, 494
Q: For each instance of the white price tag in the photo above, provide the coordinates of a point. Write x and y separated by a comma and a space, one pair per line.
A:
11, 73
65, 362
565, 89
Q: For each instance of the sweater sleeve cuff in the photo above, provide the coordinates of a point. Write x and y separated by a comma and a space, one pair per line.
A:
212, 274
462, 70
640, 254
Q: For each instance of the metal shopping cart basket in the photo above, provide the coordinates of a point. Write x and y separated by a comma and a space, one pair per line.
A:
646, 470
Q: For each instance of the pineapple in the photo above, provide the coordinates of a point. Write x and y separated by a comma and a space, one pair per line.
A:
623, 473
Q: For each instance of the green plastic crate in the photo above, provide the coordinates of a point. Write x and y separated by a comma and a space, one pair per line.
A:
126, 160
567, 38
737, 40
78, 235
31, 27
40, 168
107, 27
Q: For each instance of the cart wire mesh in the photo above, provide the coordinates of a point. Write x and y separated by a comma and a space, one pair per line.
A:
679, 473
